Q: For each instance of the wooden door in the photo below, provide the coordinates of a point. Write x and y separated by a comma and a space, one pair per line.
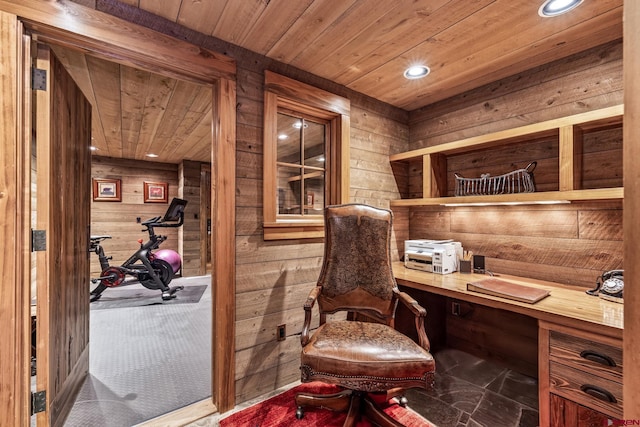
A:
63, 134
565, 413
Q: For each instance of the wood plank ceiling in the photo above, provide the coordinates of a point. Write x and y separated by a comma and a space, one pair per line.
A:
362, 44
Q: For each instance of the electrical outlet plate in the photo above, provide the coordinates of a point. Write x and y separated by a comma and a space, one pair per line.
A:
281, 333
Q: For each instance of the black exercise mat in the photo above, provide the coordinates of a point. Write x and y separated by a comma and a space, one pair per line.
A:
140, 297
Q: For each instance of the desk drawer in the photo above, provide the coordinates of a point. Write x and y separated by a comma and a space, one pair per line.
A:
593, 357
586, 389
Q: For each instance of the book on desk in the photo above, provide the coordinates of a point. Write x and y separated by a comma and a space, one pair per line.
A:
504, 289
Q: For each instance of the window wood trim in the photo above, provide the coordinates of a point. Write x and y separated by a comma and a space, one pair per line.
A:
283, 92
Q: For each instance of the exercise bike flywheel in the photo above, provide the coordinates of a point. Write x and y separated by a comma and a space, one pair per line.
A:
112, 277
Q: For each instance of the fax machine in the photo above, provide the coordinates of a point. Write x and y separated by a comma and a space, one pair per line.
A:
435, 256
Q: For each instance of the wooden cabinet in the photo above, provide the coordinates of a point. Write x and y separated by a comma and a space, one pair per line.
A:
580, 376
565, 413
567, 162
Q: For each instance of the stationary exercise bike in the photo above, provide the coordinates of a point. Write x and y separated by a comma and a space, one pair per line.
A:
154, 269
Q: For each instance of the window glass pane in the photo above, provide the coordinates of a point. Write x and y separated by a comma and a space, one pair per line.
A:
314, 192
289, 194
289, 139
314, 137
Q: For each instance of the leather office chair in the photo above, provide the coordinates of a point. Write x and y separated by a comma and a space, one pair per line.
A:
363, 354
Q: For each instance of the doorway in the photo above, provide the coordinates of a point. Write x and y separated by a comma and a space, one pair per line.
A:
142, 354
131, 44
75, 25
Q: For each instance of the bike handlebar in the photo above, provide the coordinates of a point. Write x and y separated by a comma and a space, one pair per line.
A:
156, 222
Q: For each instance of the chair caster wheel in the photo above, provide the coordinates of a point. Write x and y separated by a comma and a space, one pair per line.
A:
403, 401
299, 413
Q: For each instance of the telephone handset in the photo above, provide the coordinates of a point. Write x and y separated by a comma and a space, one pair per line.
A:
609, 286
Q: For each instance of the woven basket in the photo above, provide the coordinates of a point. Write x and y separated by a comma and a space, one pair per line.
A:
518, 181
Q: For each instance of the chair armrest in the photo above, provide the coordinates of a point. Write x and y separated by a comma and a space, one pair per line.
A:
308, 306
420, 313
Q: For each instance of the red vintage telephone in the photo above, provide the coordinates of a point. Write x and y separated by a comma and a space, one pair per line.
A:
609, 286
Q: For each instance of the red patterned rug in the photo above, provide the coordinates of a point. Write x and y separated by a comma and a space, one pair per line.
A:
280, 410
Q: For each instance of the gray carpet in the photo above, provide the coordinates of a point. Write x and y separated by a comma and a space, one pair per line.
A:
147, 360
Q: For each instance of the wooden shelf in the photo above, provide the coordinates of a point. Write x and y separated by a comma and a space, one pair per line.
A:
568, 130
520, 198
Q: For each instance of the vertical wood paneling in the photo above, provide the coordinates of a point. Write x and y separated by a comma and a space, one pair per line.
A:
570, 244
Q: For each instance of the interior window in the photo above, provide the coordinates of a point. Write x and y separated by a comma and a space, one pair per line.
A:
301, 165
306, 138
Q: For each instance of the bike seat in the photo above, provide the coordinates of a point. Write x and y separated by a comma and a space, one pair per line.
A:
99, 238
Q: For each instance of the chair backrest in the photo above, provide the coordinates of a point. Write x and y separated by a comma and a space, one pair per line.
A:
356, 272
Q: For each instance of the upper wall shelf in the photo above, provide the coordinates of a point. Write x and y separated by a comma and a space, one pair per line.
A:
568, 131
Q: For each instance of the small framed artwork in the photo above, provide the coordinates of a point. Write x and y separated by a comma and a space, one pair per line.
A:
106, 190
156, 192
310, 199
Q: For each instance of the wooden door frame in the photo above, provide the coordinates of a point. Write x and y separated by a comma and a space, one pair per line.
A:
631, 174
15, 211
74, 26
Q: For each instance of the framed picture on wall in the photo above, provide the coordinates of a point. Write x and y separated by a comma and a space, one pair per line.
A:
106, 190
156, 192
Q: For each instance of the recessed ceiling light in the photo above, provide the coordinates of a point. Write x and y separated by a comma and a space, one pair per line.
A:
93, 148
282, 136
298, 125
151, 155
416, 72
557, 7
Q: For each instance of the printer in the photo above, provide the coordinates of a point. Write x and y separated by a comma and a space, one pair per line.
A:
434, 256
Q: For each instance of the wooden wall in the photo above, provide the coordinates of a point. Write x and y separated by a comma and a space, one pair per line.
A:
118, 219
568, 243
190, 234
274, 278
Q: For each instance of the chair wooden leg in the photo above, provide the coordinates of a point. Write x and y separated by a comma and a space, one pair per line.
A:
336, 402
377, 416
354, 410
355, 403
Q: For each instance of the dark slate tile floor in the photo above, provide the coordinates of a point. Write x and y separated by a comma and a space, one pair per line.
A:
472, 392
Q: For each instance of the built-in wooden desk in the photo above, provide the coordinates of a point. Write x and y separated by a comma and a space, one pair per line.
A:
579, 342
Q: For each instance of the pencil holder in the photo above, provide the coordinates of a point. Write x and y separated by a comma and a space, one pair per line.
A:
465, 266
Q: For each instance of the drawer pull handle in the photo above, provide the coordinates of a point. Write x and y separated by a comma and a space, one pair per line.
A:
598, 393
594, 356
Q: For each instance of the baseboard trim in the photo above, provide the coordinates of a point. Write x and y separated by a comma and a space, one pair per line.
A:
182, 416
